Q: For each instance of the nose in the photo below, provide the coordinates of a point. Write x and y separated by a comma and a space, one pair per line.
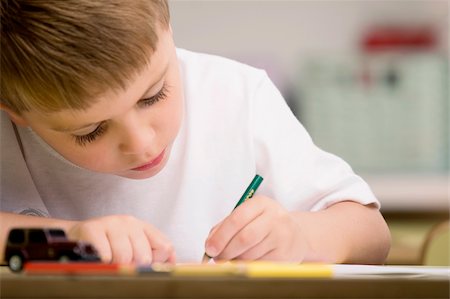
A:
137, 138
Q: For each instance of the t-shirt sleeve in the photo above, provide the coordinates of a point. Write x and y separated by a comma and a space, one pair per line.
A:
298, 173
18, 193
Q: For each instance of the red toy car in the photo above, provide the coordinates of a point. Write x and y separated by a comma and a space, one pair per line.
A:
44, 244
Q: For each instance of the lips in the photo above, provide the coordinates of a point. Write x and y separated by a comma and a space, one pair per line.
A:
151, 164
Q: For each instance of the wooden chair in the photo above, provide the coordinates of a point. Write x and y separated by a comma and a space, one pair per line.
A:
436, 248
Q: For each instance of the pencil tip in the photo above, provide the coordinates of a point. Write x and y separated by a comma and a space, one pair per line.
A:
206, 258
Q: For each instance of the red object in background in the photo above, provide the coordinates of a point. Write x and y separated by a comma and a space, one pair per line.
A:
399, 38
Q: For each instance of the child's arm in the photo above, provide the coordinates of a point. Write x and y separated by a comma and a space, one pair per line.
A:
118, 238
346, 232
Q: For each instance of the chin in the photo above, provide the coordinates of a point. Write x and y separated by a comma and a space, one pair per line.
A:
138, 176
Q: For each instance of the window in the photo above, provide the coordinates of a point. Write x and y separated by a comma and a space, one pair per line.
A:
57, 234
37, 236
16, 236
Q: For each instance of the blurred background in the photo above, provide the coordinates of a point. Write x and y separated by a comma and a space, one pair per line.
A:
368, 79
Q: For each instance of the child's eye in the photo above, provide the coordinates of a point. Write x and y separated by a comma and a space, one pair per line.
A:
161, 95
82, 140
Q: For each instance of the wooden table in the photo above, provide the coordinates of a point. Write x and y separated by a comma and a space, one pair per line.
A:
154, 286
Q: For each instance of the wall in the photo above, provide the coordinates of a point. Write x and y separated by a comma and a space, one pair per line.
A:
286, 32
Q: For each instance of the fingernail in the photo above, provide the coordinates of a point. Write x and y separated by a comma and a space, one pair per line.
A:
211, 250
145, 260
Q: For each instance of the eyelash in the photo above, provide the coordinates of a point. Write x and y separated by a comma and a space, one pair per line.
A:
82, 140
161, 95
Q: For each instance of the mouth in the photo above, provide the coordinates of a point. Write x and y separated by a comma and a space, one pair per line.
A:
151, 164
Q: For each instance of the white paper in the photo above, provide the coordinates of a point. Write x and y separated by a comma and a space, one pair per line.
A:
365, 271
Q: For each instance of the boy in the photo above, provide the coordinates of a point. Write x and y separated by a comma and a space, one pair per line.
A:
142, 149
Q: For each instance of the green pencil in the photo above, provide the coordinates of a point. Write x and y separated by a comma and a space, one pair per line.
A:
249, 192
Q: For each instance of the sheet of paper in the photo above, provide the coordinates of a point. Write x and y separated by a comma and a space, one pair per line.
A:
364, 271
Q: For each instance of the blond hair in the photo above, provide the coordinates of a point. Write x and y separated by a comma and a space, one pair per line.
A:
61, 54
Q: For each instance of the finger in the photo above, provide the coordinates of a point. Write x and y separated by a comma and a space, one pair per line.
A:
172, 258
258, 251
248, 237
231, 225
161, 247
96, 237
212, 232
274, 255
122, 251
277, 246
101, 244
214, 229
142, 252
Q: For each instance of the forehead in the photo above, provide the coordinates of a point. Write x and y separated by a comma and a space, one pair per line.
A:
112, 103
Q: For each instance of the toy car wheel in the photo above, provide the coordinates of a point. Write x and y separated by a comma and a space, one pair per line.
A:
64, 258
15, 263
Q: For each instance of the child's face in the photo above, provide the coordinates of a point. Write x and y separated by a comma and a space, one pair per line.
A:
128, 133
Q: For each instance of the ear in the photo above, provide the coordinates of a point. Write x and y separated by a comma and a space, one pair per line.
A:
14, 116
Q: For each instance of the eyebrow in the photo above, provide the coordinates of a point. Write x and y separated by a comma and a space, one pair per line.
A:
70, 129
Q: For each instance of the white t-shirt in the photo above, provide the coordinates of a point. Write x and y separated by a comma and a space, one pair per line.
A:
236, 124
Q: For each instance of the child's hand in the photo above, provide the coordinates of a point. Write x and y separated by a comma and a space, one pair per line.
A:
259, 229
124, 239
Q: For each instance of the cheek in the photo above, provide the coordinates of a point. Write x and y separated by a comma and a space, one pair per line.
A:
90, 157
175, 112
174, 116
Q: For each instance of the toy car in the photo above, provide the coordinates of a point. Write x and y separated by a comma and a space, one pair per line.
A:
44, 244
